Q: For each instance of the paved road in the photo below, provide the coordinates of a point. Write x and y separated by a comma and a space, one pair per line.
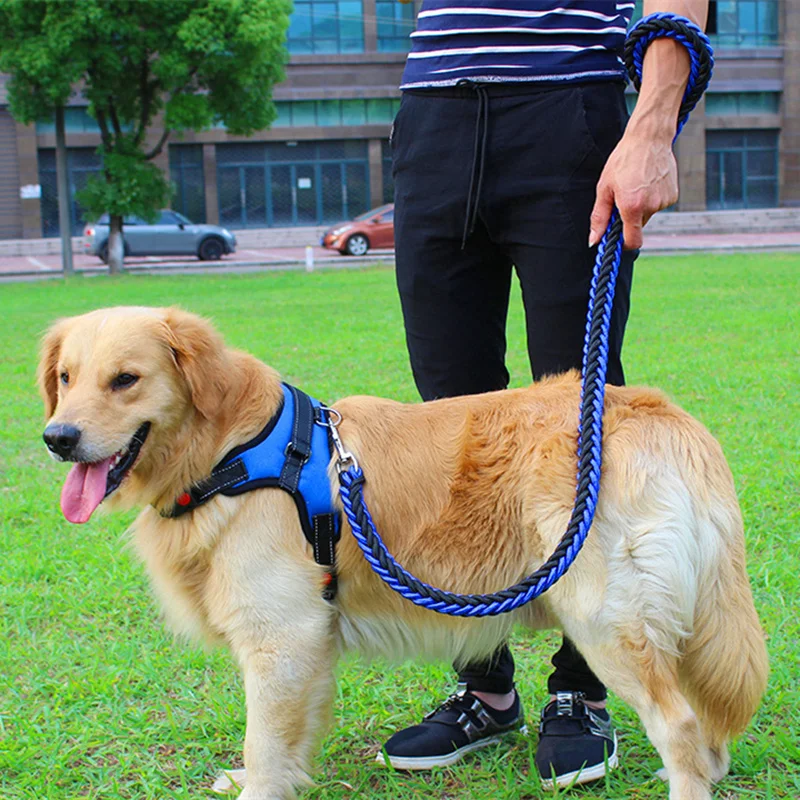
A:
12, 267
44, 265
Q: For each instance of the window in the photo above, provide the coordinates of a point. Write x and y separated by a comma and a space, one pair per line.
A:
76, 120
328, 113
395, 23
188, 180
82, 163
380, 111
741, 169
326, 26
728, 103
169, 218
738, 23
354, 112
388, 178
743, 23
293, 183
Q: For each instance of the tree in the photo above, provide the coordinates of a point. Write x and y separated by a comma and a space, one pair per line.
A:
196, 62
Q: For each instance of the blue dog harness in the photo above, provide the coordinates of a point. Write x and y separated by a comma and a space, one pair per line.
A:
291, 453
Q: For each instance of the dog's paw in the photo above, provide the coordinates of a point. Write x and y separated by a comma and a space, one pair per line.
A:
230, 782
262, 793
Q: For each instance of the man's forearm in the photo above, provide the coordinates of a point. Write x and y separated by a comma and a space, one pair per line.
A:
641, 175
665, 71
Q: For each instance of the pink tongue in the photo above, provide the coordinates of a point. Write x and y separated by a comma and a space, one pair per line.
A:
84, 490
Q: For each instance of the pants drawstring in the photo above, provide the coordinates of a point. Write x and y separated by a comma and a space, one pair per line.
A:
478, 159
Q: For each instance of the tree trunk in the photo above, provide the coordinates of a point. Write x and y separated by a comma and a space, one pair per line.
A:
116, 247
62, 183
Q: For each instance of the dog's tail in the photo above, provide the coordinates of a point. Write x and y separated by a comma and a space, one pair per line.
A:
724, 668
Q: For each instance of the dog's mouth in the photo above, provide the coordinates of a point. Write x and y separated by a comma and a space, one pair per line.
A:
89, 483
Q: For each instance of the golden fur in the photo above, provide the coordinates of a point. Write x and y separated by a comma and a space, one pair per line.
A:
470, 494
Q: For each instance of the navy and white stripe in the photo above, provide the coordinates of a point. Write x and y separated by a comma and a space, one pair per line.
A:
515, 40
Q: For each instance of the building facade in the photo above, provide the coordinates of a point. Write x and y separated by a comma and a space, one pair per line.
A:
326, 157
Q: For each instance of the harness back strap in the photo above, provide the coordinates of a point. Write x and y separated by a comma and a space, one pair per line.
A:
290, 453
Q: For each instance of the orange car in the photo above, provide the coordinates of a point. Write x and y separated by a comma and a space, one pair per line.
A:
372, 230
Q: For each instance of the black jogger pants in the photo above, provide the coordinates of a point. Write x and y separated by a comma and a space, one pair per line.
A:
513, 168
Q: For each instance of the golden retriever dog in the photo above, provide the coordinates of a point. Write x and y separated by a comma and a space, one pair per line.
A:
470, 494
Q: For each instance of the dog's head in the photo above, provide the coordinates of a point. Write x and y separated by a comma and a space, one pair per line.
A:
118, 386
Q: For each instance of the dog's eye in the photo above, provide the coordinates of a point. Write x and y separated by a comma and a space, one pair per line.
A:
124, 380
64, 378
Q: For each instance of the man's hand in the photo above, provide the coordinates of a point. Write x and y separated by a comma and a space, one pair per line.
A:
641, 176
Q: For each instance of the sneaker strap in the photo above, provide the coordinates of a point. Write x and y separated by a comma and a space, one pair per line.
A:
472, 718
572, 716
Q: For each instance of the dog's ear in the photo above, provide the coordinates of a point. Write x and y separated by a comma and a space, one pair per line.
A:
200, 355
47, 372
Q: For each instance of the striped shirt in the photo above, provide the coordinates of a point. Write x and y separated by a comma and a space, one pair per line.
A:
517, 40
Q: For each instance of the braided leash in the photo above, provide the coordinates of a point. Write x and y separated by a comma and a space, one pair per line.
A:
595, 363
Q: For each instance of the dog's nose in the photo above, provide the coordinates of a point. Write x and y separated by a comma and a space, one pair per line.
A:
62, 439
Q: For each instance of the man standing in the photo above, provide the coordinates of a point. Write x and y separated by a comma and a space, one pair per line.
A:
510, 150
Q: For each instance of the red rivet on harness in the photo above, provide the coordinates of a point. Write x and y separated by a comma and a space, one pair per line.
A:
327, 579
184, 499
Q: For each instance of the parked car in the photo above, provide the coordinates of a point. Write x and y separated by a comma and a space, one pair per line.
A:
171, 235
369, 231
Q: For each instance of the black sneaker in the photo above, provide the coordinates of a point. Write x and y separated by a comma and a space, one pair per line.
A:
457, 727
577, 744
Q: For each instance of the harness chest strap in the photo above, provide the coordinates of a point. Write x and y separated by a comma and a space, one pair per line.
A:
291, 453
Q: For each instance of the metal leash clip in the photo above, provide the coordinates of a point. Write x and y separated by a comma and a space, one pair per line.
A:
330, 418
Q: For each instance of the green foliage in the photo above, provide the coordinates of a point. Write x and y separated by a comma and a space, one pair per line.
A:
128, 185
196, 62
37, 49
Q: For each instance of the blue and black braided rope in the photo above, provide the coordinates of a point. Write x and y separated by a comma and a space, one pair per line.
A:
595, 363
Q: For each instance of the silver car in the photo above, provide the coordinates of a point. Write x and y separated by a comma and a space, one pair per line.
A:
171, 235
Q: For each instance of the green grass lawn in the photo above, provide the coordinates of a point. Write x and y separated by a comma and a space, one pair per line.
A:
97, 700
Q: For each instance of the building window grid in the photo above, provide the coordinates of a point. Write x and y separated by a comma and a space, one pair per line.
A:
76, 120
732, 103
395, 23
388, 176
744, 23
738, 23
741, 169
335, 113
188, 181
338, 176
82, 163
349, 207
326, 26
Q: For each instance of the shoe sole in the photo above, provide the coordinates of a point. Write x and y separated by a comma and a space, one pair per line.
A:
585, 775
407, 763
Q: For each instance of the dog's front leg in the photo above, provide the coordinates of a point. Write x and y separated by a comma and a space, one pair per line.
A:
288, 685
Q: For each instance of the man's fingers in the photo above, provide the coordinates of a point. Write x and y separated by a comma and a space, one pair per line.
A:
601, 214
635, 209
633, 219
632, 224
632, 236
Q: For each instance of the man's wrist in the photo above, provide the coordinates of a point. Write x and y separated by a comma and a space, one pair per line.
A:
655, 124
